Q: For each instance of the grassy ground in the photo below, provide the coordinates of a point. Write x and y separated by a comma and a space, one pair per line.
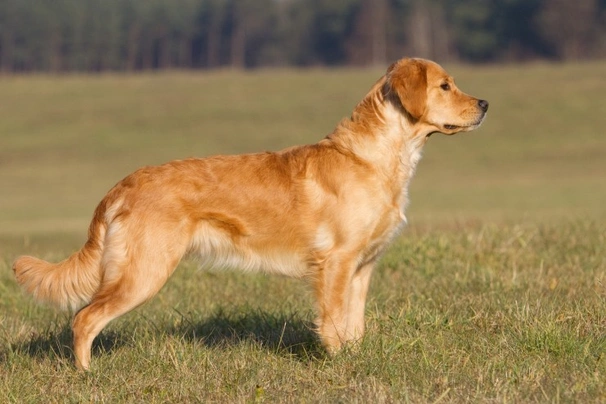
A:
496, 292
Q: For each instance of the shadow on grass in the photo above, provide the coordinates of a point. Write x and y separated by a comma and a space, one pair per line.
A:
276, 332
57, 343
279, 333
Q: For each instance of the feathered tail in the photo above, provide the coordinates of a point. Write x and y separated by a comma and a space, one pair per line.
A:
69, 284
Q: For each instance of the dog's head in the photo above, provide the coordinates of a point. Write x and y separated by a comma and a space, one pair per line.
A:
430, 98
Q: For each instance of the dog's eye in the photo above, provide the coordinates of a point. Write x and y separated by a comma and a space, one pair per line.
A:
445, 86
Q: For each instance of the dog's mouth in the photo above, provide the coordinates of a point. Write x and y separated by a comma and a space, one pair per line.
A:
450, 129
468, 127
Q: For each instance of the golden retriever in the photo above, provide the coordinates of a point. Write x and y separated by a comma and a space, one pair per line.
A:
324, 212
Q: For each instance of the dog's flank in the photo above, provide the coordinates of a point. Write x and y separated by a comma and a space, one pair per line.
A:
324, 212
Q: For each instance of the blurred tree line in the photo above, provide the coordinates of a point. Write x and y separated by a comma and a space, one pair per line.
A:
99, 35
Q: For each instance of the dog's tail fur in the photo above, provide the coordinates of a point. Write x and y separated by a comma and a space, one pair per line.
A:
71, 283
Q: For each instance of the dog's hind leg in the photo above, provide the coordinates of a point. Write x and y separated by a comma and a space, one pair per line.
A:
127, 283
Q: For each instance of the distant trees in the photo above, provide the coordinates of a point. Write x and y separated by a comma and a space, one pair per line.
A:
100, 35
573, 30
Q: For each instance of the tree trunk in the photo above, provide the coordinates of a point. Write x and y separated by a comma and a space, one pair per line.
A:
147, 52
213, 44
6, 49
132, 46
379, 9
441, 36
164, 45
421, 31
185, 53
238, 42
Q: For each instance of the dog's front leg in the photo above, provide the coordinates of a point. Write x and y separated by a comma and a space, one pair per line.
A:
357, 301
339, 312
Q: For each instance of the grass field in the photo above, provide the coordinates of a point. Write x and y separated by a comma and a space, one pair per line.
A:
496, 292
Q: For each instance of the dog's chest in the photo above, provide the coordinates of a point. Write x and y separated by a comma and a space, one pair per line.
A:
386, 229
393, 218
409, 158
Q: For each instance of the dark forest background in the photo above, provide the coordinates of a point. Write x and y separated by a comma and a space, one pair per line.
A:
131, 35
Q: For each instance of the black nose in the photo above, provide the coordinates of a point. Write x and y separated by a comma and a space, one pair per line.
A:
483, 104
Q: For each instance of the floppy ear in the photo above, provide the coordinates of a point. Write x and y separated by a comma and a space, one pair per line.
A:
408, 79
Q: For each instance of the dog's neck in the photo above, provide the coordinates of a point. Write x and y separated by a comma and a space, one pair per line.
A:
381, 134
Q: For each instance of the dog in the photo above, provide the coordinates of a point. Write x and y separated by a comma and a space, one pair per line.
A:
324, 212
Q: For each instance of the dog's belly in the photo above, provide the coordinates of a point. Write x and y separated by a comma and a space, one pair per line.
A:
218, 248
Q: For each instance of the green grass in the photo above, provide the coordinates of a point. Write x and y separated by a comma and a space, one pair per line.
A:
495, 292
